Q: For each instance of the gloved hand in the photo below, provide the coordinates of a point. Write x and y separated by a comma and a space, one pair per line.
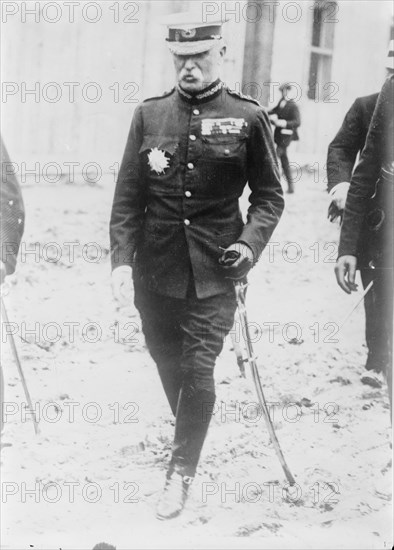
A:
280, 123
339, 194
236, 261
121, 285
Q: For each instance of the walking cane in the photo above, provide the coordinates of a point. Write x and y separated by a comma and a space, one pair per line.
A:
240, 295
21, 374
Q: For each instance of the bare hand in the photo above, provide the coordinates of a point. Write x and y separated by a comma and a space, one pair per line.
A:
121, 285
345, 272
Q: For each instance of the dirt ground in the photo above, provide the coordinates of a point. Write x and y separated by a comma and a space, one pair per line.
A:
96, 469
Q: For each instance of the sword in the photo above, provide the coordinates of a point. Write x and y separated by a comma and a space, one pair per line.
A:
240, 296
238, 350
367, 289
18, 364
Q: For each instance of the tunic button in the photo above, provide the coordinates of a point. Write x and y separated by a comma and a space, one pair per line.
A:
186, 222
196, 112
227, 152
193, 138
10, 203
19, 220
190, 166
188, 194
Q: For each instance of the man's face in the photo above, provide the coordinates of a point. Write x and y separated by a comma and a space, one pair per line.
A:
195, 72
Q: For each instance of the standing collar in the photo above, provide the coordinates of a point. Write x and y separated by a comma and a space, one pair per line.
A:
206, 94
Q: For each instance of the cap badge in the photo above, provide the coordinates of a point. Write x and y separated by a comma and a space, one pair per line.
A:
158, 161
189, 33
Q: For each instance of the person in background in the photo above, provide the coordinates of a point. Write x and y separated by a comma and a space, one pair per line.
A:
286, 119
341, 160
370, 197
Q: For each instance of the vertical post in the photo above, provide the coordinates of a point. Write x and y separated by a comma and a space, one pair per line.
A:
260, 23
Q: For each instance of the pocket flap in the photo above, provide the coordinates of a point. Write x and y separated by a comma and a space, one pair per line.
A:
168, 144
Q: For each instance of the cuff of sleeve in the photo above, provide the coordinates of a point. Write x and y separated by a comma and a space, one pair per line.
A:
250, 248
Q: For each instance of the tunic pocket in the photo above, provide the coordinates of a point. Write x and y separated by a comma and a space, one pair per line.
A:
225, 148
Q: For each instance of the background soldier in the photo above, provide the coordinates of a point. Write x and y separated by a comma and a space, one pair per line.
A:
341, 159
286, 119
188, 157
373, 177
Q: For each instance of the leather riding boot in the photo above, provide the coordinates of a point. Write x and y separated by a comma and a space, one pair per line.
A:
194, 413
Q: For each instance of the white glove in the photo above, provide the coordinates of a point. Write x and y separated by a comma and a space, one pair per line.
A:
281, 123
339, 193
122, 285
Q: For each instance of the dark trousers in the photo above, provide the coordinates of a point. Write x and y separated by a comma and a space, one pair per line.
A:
281, 151
184, 338
378, 322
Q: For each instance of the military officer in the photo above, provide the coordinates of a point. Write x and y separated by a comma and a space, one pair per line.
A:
188, 157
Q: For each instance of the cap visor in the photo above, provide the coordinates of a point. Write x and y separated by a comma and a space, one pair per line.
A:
191, 48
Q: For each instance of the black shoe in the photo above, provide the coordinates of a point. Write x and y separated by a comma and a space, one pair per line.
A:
173, 497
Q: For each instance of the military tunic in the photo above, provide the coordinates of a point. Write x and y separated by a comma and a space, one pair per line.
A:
186, 163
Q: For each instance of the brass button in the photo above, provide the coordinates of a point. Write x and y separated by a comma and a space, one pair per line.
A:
196, 112
10, 203
188, 194
227, 152
186, 222
190, 166
193, 138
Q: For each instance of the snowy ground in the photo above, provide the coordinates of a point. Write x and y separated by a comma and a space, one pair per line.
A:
95, 471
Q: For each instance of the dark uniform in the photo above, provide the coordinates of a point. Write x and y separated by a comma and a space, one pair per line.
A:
341, 160
374, 177
289, 111
186, 163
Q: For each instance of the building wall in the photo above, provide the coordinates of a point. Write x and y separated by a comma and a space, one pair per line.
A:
124, 62
127, 62
361, 39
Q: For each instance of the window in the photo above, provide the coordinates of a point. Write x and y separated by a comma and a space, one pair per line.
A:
324, 19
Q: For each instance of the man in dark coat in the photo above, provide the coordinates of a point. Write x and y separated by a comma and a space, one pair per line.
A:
341, 159
188, 157
286, 119
342, 154
11, 230
373, 177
